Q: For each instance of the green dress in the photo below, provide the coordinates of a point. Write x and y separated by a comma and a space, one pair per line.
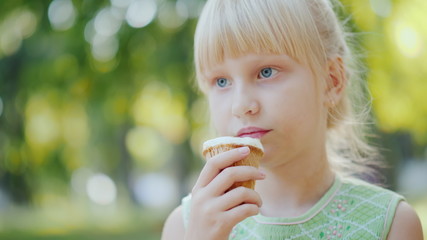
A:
350, 209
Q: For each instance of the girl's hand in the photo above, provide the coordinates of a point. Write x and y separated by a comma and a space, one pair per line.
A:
214, 211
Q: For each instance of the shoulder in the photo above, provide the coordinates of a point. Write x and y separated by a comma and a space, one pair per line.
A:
374, 197
406, 224
174, 225
363, 188
401, 220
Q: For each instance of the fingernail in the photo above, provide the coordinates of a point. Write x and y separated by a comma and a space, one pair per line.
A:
262, 174
244, 150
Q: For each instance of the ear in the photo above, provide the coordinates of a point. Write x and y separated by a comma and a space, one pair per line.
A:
336, 81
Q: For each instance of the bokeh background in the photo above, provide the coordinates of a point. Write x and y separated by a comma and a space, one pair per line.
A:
101, 122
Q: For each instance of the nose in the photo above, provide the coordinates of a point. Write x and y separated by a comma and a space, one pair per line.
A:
245, 102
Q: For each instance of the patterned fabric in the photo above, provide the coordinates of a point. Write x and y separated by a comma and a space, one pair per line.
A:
350, 209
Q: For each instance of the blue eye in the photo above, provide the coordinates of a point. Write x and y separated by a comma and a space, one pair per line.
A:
222, 82
267, 72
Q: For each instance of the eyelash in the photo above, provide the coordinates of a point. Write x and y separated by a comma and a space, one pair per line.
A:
227, 83
272, 73
217, 82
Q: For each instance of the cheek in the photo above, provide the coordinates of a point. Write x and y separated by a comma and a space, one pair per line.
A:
214, 106
218, 113
295, 107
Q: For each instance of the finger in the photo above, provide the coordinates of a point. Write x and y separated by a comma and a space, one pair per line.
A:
226, 178
236, 197
241, 212
217, 163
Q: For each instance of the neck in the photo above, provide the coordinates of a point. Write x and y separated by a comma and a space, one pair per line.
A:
292, 189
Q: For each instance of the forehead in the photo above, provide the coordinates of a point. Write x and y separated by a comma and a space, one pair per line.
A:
249, 62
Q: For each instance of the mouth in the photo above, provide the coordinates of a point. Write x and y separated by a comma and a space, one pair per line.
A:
253, 132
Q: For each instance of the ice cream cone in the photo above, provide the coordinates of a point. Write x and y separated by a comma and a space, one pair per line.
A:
222, 144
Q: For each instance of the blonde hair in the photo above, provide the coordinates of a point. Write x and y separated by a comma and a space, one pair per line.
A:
309, 32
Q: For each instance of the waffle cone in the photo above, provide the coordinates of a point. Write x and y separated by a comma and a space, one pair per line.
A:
251, 160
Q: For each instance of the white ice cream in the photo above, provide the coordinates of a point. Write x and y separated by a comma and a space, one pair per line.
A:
233, 140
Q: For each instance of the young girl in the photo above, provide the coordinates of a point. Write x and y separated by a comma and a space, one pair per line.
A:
281, 71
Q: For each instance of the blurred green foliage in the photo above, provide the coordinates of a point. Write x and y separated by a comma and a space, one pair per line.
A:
91, 85
395, 39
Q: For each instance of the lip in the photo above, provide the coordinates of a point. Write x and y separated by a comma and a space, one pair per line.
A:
253, 132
